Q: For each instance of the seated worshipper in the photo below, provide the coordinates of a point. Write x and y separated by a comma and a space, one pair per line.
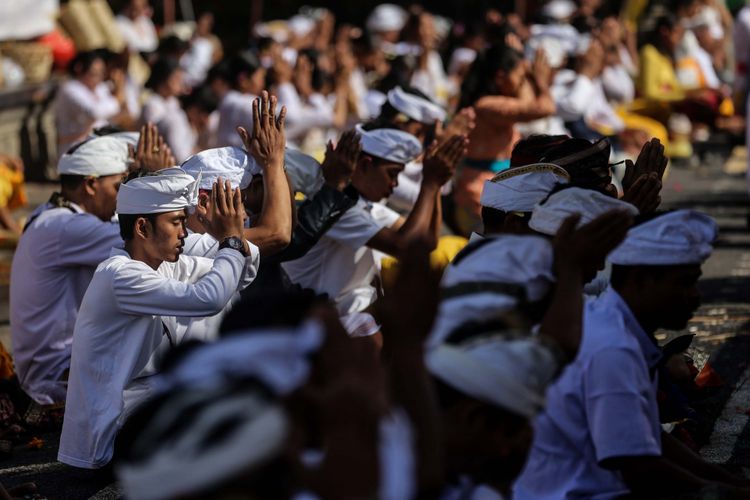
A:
504, 272
413, 112
164, 109
85, 101
600, 436
343, 263
504, 91
509, 198
119, 329
490, 382
549, 214
236, 83
63, 242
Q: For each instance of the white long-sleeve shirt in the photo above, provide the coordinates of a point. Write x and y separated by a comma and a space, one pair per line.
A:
120, 328
52, 267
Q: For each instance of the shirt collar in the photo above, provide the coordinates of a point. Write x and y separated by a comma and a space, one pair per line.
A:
650, 349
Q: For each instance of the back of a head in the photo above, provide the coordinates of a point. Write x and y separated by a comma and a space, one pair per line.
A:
480, 79
82, 62
533, 148
161, 70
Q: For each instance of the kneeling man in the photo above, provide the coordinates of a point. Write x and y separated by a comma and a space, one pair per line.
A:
119, 325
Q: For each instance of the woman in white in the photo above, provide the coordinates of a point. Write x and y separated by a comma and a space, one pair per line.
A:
85, 101
163, 108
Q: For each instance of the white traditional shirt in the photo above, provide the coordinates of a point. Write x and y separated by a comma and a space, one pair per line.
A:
603, 406
140, 35
173, 124
120, 328
52, 266
340, 264
235, 110
79, 110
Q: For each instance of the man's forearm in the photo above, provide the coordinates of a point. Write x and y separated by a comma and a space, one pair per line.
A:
563, 319
420, 220
276, 214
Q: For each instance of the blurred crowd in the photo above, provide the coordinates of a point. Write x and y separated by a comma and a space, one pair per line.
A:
422, 257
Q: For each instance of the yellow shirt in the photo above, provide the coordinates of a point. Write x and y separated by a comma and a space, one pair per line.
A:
657, 79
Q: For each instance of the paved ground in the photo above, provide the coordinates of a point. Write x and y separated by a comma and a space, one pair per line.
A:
722, 328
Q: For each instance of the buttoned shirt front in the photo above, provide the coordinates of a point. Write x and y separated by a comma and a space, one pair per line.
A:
119, 330
603, 406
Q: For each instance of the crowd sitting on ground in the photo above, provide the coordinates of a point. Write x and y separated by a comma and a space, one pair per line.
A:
327, 267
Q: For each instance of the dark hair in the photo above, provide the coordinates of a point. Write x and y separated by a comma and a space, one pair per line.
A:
161, 70
107, 130
222, 70
244, 63
172, 46
493, 219
666, 20
400, 74
480, 79
70, 182
127, 224
83, 61
271, 307
533, 148
202, 98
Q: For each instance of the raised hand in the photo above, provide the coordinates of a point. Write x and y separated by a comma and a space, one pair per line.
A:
651, 159
441, 159
462, 124
341, 161
585, 249
644, 193
541, 71
227, 213
267, 142
152, 152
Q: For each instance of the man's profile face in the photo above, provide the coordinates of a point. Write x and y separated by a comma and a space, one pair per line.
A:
675, 295
379, 178
168, 235
105, 195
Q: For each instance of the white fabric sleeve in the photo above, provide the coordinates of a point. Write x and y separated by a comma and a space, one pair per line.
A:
572, 105
204, 294
200, 245
103, 107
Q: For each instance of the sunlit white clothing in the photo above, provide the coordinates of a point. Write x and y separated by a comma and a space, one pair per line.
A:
79, 110
140, 34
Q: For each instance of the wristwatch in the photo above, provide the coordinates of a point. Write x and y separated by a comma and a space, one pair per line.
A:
234, 243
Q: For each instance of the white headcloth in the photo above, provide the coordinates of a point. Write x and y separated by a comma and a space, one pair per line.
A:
96, 157
230, 163
519, 189
390, 144
671, 239
549, 215
165, 191
511, 373
386, 17
415, 107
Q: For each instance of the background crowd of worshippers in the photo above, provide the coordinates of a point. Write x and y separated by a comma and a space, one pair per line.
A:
253, 295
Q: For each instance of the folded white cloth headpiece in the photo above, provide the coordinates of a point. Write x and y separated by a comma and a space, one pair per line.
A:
276, 356
230, 163
509, 373
519, 189
493, 276
671, 239
196, 438
549, 215
559, 9
386, 17
165, 191
131, 138
390, 144
96, 157
415, 107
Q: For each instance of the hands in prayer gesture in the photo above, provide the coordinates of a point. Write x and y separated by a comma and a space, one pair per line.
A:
227, 213
642, 180
441, 159
341, 161
268, 140
589, 245
152, 153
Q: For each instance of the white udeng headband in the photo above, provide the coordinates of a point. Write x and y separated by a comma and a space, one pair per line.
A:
415, 107
169, 190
